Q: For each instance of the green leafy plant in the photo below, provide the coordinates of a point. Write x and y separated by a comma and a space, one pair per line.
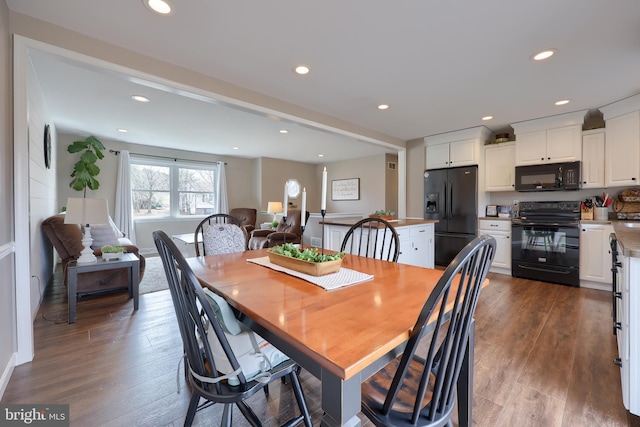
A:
108, 249
308, 254
383, 213
274, 224
85, 170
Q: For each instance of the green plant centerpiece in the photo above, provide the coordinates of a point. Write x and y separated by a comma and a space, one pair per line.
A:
274, 224
308, 261
85, 170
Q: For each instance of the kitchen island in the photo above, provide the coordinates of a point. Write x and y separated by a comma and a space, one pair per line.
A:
416, 238
626, 316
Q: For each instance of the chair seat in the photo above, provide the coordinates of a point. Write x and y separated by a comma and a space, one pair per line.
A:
374, 389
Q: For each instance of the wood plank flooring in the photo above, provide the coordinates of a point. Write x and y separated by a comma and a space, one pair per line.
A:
543, 357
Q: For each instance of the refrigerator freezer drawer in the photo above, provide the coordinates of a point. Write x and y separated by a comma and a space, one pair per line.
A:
447, 246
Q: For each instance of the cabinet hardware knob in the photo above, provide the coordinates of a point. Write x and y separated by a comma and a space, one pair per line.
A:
548, 158
584, 182
633, 179
541, 158
617, 361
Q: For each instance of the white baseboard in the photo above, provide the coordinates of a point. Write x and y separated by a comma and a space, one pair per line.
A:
6, 374
595, 285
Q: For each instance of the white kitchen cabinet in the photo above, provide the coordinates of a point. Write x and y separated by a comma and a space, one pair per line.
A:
500, 230
500, 161
595, 256
622, 147
416, 245
550, 139
549, 146
416, 242
623, 150
593, 155
459, 148
458, 153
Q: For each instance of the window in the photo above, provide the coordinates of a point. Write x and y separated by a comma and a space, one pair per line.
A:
171, 189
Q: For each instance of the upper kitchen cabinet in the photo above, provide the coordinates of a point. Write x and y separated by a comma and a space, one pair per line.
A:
500, 162
593, 148
622, 154
550, 139
459, 148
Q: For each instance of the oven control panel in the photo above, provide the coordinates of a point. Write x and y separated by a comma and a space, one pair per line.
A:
550, 206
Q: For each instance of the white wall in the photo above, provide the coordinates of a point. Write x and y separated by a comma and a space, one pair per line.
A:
42, 191
8, 336
416, 155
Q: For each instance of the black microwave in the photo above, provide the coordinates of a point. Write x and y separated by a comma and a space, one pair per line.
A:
548, 177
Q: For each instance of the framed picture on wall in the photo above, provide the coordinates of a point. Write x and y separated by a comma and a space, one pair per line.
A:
345, 189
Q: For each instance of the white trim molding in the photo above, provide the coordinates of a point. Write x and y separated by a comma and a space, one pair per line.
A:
6, 374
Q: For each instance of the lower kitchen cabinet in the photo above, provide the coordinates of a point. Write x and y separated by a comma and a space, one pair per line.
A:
416, 242
595, 256
416, 245
501, 231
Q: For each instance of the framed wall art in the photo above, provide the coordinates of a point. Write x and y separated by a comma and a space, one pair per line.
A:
345, 189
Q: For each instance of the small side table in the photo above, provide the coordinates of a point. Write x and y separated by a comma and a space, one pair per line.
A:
186, 244
129, 261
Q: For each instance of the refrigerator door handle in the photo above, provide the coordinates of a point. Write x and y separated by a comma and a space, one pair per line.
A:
444, 190
450, 200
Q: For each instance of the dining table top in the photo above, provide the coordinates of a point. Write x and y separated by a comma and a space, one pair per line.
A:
343, 330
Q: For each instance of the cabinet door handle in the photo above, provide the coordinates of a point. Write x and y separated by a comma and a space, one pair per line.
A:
633, 179
617, 361
541, 158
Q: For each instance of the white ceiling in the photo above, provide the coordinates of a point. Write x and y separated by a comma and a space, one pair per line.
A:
441, 66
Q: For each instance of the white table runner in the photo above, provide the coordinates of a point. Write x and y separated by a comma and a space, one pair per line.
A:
329, 282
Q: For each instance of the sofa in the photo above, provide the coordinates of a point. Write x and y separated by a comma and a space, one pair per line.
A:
67, 241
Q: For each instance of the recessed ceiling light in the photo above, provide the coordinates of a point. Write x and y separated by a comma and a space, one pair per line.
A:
284, 131
544, 54
562, 102
383, 107
320, 155
236, 148
485, 118
302, 70
139, 98
163, 7
123, 130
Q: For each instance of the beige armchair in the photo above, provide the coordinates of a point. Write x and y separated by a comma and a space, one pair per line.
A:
287, 232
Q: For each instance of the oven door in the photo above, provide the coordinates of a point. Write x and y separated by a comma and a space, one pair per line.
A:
546, 251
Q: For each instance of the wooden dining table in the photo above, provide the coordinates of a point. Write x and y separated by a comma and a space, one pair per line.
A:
340, 336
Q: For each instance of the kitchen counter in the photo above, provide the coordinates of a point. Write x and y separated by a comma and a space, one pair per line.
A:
628, 235
495, 218
395, 222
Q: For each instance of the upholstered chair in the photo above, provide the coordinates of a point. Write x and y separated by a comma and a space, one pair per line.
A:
246, 216
289, 231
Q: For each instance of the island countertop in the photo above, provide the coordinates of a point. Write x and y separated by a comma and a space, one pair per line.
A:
628, 235
349, 221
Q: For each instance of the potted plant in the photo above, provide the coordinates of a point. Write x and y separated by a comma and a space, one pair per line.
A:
386, 215
85, 170
274, 224
111, 253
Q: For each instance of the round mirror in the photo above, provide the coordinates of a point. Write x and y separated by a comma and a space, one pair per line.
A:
293, 188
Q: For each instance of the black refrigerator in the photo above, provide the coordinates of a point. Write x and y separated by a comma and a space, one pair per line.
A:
451, 197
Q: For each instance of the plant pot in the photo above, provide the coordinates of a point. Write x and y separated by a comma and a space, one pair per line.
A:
112, 256
306, 267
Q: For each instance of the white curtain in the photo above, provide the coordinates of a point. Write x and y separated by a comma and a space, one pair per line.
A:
124, 205
221, 192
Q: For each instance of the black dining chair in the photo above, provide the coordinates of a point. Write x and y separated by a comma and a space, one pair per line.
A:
372, 238
199, 325
220, 234
419, 390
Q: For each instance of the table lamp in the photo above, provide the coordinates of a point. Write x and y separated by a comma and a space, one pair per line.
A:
86, 211
274, 208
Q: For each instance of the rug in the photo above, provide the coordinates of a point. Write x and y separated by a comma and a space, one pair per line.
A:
154, 278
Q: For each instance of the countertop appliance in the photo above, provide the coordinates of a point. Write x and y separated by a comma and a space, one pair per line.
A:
451, 197
548, 177
545, 242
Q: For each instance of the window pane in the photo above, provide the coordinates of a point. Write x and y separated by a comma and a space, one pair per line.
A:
196, 191
150, 187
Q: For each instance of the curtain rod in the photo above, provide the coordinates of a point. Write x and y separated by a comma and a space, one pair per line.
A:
116, 152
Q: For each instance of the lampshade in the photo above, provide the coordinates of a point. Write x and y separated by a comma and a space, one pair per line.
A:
81, 210
274, 207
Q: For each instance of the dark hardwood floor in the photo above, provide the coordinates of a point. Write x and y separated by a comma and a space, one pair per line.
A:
543, 357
